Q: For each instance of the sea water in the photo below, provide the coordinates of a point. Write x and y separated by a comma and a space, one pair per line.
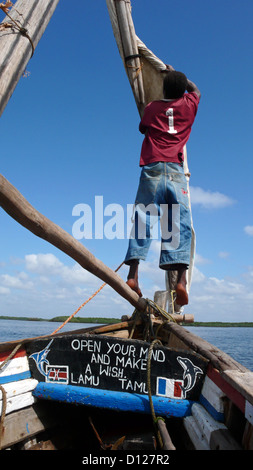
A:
11, 330
235, 341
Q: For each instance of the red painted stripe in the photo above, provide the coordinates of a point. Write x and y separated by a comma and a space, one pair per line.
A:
235, 396
5, 354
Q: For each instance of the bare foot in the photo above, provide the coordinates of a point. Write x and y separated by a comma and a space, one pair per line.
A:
132, 278
181, 291
182, 296
134, 286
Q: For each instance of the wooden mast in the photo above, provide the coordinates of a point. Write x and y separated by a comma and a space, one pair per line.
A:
17, 45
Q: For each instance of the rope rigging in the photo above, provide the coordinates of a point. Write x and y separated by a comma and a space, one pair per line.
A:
14, 25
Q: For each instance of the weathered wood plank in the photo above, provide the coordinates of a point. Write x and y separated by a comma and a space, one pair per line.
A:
236, 397
212, 398
221, 439
248, 437
195, 433
14, 367
249, 411
207, 433
15, 48
161, 299
5, 354
18, 402
26, 423
241, 381
17, 388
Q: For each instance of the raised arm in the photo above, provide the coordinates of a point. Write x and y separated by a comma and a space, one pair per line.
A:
191, 87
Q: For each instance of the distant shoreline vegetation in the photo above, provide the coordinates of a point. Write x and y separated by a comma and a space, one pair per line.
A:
101, 320
63, 319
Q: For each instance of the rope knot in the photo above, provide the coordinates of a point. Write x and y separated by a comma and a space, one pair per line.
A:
23, 31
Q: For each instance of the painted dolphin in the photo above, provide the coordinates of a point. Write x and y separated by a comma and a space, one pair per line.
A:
190, 373
40, 358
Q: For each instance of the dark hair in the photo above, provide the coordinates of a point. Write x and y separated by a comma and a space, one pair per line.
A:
174, 85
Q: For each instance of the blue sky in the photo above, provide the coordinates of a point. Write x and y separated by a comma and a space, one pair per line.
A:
70, 133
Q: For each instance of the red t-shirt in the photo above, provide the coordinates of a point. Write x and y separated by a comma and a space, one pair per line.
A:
167, 125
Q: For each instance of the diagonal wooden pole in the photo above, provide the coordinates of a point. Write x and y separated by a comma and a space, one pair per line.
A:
17, 45
12, 201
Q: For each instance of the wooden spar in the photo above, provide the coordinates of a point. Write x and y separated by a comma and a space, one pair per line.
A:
12, 201
167, 442
131, 60
16, 48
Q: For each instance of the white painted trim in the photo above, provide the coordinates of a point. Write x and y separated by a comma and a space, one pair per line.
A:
15, 366
13, 389
213, 394
18, 402
205, 422
197, 437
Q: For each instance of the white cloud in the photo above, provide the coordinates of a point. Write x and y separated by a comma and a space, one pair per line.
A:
43, 264
249, 230
43, 292
4, 290
48, 265
228, 299
209, 199
16, 282
197, 276
211, 298
222, 286
224, 254
47, 287
77, 275
201, 260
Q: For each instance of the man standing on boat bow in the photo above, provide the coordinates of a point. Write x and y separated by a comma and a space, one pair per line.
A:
162, 190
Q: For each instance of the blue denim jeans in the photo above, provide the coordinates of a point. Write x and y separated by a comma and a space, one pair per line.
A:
162, 195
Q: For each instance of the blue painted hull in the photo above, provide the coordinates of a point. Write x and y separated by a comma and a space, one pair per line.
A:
121, 401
